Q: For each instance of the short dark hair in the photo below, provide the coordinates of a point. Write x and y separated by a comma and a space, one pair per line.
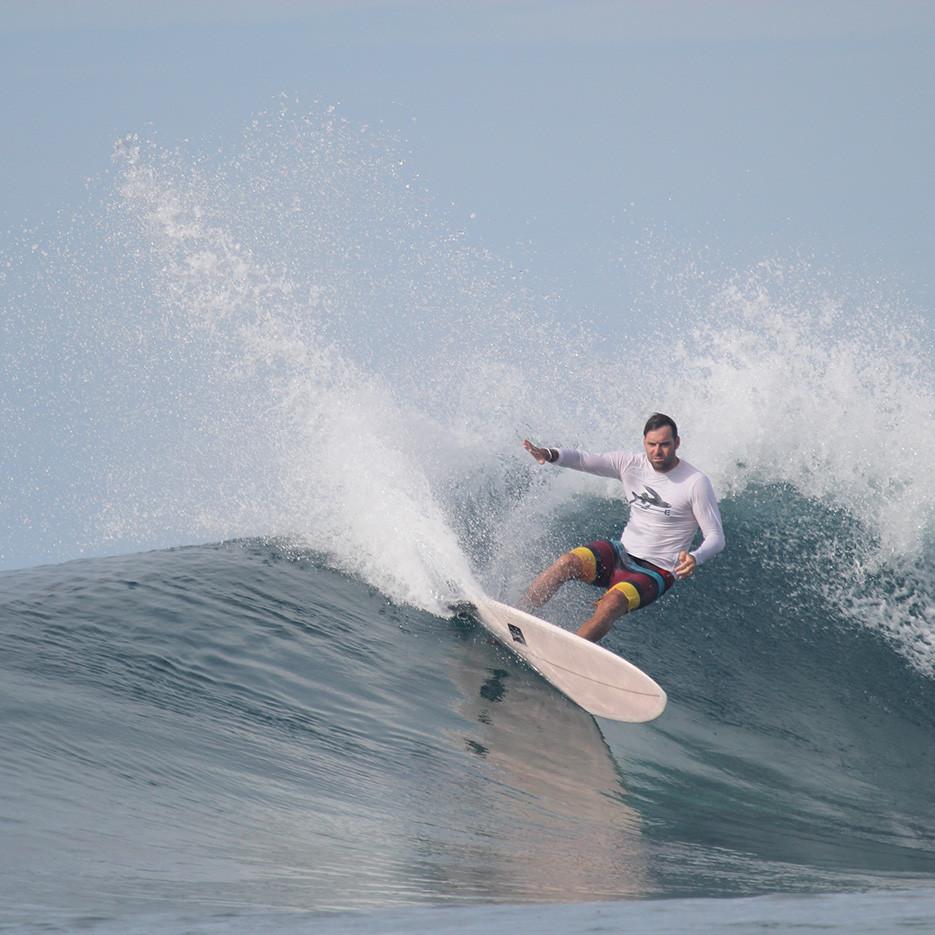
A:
657, 421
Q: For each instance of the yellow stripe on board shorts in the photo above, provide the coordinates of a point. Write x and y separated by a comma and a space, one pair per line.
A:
588, 561
630, 592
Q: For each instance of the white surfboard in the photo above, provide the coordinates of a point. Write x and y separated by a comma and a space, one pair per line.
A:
601, 682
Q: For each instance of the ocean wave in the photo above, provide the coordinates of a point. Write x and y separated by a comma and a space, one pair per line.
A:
292, 340
240, 725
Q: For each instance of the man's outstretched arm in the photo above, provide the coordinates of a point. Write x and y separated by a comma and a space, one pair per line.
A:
605, 465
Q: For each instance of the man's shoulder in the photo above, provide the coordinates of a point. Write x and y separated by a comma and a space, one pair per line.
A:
689, 473
632, 460
695, 478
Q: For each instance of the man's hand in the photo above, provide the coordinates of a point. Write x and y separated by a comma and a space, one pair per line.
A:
686, 566
540, 454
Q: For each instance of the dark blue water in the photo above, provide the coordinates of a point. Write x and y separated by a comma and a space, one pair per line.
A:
217, 731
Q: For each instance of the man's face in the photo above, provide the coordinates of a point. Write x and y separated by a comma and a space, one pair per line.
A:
660, 447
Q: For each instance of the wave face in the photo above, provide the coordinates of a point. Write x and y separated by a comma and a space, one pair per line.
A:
232, 727
292, 348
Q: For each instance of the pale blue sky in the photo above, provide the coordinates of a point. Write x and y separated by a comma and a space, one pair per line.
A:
747, 129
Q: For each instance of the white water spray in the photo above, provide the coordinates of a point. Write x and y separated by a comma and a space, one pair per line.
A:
293, 340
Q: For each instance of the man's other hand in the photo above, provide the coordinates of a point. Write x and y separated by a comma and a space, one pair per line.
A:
686, 565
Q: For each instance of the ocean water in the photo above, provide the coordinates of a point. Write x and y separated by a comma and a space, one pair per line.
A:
264, 415
211, 731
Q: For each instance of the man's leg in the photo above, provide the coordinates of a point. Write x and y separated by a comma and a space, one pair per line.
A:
564, 569
610, 607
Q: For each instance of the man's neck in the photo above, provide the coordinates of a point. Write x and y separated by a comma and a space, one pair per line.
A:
671, 467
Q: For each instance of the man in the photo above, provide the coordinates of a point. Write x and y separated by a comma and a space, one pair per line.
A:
670, 500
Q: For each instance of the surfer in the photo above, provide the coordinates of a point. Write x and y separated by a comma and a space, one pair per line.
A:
670, 500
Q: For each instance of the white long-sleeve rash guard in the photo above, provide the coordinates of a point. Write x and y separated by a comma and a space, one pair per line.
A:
667, 508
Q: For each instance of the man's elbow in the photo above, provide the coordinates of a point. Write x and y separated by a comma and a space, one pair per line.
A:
715, 544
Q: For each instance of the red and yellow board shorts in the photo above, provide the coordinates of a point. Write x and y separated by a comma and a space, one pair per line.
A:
607, 565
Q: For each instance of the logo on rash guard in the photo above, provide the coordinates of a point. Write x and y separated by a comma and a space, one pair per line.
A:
649, 499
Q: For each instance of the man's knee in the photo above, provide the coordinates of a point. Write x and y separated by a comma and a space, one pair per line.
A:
572, 565
616, 602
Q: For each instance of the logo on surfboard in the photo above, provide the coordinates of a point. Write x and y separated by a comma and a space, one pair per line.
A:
517, 634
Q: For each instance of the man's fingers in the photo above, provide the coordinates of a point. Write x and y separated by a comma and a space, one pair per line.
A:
685, 566
535, 451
